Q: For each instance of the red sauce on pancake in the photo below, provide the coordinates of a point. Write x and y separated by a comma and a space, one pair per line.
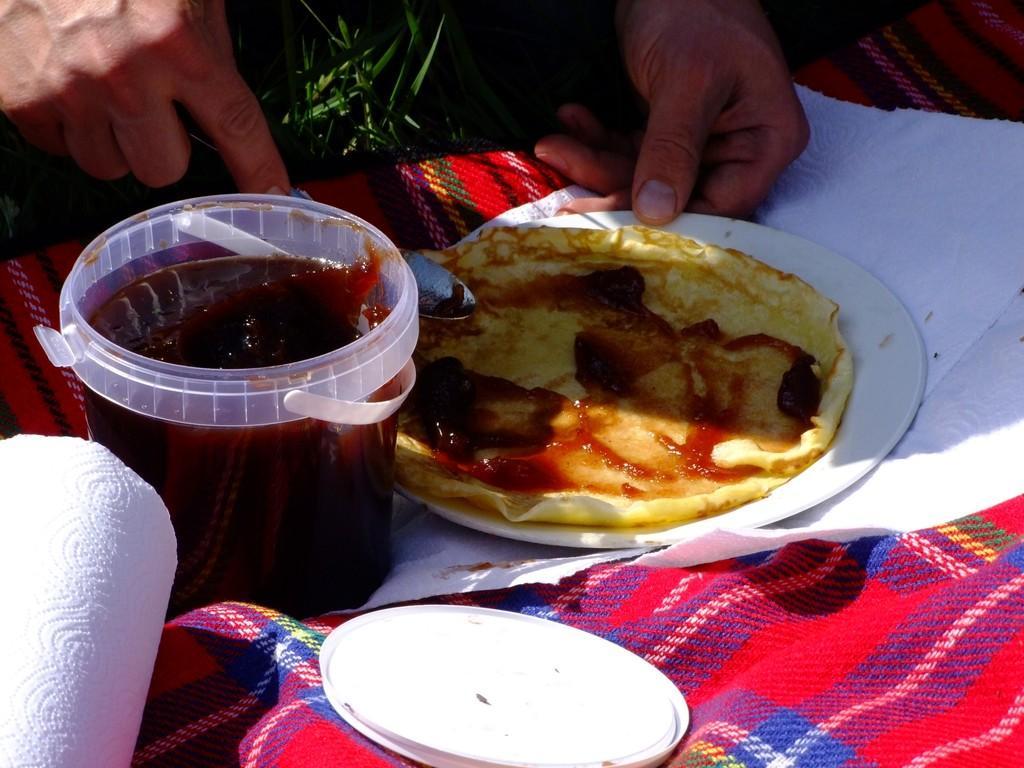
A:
536, 440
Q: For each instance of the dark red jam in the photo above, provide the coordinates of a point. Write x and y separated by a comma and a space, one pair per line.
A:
294, 515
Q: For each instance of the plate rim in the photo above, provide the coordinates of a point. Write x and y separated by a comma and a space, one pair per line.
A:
594, 537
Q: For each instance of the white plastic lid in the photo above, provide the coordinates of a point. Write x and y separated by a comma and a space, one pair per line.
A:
453, 686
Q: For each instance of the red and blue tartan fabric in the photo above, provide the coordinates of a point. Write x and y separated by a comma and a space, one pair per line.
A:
890, 651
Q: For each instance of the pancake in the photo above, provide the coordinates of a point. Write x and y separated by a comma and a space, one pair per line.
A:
619, 378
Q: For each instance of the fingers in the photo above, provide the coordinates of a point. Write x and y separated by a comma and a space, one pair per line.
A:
601, 170
583, 125
616, 201
48, 135
152, 144
592, 156
734, 189
155, 145
91, 142
727, 190
670, 153
740, 168
230, 115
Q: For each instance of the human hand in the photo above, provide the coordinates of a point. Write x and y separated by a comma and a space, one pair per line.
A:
723, 117
99, 79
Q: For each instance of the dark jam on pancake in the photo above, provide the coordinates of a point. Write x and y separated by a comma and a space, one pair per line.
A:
602, 364
541, 432
295, 515
800, 391
444, 397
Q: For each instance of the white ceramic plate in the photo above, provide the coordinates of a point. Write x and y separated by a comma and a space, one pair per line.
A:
889, 376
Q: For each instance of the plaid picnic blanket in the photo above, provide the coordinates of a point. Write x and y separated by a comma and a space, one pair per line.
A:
903, 650
891, 651
965, 57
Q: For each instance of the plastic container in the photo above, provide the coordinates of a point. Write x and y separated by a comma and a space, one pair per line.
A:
278, 479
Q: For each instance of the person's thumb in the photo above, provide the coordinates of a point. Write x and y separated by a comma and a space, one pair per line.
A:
669, 159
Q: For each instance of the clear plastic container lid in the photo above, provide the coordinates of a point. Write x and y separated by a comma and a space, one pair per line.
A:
336, 386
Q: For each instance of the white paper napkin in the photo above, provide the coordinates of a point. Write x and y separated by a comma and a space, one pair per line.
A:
87, 558
932, 205
433, 557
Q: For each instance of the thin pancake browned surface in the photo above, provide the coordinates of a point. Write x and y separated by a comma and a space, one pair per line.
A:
620, 378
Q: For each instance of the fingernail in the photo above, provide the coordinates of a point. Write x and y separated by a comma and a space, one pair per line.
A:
656, 201
555, 161
275, 190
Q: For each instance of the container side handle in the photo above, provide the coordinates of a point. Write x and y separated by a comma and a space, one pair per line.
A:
303, 403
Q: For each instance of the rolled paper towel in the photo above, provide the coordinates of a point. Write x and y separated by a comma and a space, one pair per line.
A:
87, 558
